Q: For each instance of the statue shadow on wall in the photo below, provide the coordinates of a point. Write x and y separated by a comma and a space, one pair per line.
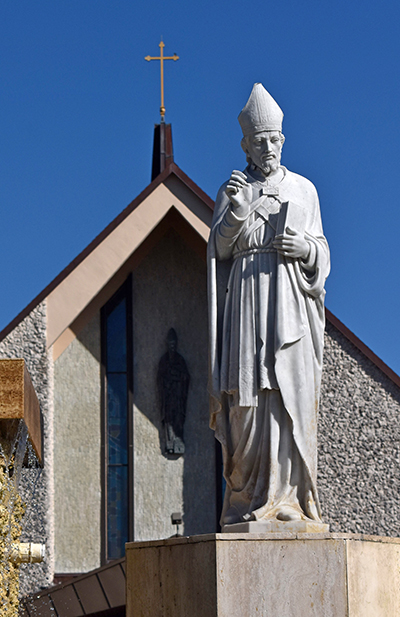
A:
172, 385
197, 476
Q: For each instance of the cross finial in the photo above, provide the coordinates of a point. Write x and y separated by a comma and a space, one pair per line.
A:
161, 57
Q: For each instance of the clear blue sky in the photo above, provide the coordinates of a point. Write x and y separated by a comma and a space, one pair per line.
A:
78, 105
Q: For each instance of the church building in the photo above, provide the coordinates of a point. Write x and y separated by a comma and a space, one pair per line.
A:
116, 347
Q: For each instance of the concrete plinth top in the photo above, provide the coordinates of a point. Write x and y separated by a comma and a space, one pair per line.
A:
252, 537
270, 574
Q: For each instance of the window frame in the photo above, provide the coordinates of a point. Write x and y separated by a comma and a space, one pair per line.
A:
124, 292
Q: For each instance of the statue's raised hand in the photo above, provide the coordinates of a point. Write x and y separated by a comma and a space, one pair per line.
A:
240, 193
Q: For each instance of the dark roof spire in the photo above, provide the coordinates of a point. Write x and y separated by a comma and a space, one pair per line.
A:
163, 154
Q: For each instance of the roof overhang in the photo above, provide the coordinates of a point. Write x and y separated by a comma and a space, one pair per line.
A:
79, 287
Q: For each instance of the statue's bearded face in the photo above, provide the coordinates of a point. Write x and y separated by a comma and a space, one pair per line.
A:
264, 149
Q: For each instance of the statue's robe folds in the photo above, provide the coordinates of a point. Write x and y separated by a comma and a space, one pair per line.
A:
266, 319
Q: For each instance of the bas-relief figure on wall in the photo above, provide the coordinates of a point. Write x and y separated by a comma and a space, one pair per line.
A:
267, 329
173, 384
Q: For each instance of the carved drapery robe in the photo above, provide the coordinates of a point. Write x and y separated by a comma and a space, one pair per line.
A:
266, 317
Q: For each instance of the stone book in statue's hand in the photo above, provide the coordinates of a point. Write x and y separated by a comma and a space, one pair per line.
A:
291, 215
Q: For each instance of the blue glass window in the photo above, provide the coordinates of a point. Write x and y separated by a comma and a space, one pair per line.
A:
116, 339
117, 421
117, 508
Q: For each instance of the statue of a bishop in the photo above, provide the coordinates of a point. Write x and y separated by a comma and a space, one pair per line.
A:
268, 262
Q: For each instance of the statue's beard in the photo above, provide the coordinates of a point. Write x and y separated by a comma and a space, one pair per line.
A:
267, 167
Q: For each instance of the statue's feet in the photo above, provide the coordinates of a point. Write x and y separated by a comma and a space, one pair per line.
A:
232, 516
288, 514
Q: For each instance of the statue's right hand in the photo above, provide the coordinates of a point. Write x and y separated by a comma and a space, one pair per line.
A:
239, 192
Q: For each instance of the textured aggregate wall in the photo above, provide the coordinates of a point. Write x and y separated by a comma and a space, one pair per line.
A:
28, 341
359, 442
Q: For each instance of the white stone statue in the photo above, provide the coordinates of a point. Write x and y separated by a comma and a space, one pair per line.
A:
268, 262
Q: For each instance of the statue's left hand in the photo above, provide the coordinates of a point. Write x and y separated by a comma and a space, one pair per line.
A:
292, 244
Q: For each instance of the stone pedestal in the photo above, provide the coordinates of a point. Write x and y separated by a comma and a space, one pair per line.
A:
271, 575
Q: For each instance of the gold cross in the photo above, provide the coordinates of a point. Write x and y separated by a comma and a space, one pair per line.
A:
161, 57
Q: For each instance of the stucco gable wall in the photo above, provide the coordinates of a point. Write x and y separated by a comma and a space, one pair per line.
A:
77, 484
359, 442
28, 341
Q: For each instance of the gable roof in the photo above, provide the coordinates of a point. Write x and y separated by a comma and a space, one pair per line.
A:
171, 185
117, 254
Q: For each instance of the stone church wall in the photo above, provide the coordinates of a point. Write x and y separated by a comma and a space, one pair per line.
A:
359, 442
28, 341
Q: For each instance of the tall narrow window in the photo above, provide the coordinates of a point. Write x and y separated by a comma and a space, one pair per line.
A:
117, 463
